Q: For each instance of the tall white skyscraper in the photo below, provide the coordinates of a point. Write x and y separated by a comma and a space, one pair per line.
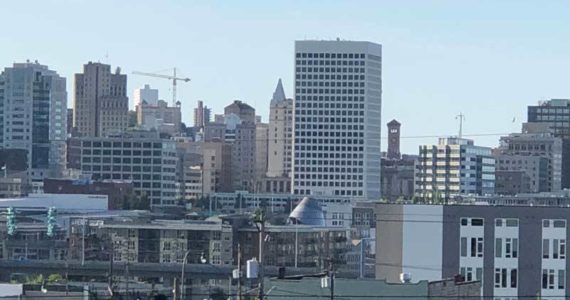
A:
337, 109
33, 116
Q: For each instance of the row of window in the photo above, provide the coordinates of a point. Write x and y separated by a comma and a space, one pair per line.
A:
511, 222
336, 192
330, 91
330, 113
330, 62
320, 154
330, 55
328, 99
299, 148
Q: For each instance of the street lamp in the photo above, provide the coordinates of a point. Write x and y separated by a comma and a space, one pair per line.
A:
202, 260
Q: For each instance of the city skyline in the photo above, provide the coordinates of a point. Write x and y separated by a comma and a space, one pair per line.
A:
429, 63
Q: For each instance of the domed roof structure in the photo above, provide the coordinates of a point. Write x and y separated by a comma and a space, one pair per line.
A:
307, 212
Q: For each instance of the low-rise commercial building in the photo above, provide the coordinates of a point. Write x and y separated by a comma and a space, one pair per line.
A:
148, 161
11, 187
338, 210
117, 191
297, 245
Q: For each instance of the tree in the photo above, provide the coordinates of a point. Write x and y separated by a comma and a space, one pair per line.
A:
54, 278
218, 294
132, 119
132, 201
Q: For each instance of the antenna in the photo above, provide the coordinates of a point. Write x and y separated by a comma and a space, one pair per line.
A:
461, 118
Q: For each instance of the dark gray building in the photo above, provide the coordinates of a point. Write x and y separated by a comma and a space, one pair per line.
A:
515, 251
555, 113
521, 151
397, 178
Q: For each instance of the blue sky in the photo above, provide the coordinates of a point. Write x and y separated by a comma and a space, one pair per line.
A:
487, 59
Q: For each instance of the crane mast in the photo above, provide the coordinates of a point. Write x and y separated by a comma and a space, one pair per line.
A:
173, 78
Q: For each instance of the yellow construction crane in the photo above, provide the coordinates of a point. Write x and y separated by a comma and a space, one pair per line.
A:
173, 78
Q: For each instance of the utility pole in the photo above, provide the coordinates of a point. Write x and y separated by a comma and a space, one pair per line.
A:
239, 273
461, 118
261, 219
127, 280
111, 271
174, 285
331, 276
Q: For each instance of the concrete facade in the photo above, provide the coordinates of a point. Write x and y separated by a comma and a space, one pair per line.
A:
101, 102
514, 251
555, 115
521, 174
142, 157
337, 112
261, 150
453, 167
280, 134
537, 145
398, 181
159, 117
237, 128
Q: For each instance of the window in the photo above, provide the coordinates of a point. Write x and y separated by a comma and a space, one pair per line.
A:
561, 279
511, 246
498, 247
476, 247
476, 222
512, 223
505, 278
548, 279
463, 246
514, 278
545, 248
559, 224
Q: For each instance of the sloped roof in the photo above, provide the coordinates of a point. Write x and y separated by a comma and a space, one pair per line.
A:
278, 94
308, 212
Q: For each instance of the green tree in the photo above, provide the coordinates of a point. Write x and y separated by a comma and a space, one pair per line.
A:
132, 201
218, 294
54, 278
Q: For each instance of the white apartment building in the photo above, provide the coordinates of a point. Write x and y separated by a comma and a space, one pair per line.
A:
33, 116
453, 167
337, 111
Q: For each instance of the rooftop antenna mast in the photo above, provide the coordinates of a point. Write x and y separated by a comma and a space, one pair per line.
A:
461, 118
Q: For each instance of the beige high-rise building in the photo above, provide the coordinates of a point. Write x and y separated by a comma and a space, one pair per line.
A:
237, 128
201, 115
204, 167
159, 117
280, 134
261, 144
101, 102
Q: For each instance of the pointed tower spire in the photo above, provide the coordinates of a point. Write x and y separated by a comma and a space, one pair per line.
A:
279, 94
